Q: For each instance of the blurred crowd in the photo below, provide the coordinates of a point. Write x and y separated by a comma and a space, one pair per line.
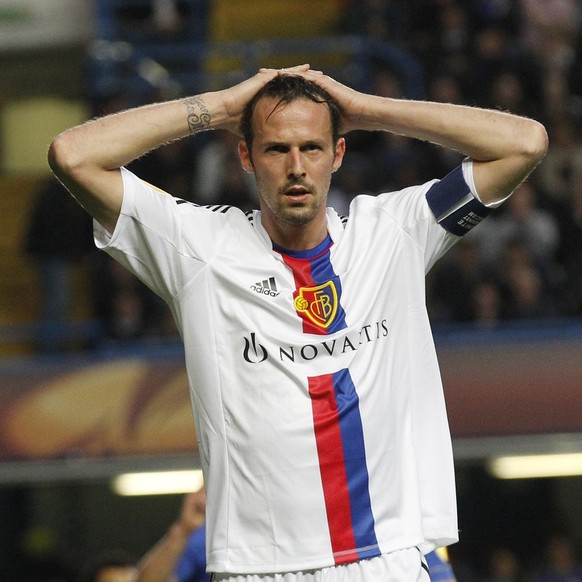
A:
523, 56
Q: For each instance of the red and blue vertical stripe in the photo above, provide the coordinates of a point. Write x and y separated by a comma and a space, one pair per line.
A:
342, 459
338, 427
311, 268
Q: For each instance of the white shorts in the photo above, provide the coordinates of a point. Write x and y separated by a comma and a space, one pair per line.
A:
402, 566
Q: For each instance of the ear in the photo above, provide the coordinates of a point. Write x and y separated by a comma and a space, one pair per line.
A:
245, 157
340, 150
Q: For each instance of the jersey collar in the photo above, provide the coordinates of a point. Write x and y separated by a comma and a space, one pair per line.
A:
335, 229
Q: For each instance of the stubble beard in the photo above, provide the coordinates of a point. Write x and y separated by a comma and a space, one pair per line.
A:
285, 211
298, 214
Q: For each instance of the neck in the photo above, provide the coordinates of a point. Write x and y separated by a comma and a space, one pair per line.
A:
296, 237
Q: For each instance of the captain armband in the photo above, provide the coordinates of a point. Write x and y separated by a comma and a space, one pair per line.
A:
453, 204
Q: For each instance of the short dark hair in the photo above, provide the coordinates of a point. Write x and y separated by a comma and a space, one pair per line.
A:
288, 88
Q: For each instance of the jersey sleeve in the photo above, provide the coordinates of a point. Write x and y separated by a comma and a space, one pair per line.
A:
438, 213
163, 240
454, 202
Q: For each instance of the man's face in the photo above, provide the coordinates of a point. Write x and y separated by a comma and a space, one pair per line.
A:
292, 157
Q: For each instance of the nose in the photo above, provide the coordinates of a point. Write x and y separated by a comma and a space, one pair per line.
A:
295, 168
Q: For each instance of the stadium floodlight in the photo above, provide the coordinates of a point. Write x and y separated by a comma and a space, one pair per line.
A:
536, 466
157, 482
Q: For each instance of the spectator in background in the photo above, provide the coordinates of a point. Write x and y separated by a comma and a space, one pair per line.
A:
503, 13
507, 92
180, 556
521, 219
549, 31
384, 20
445, 88
569, 215
504, 566
125, 308
452, 283
111, 565
527, 294
217, 169
489, 58
562, 168
58, 238
351, 179
452, 36
486, 304
549, 35
560, 562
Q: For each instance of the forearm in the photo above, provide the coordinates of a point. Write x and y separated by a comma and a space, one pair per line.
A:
159, 563
481, 134
505, 148
115, 140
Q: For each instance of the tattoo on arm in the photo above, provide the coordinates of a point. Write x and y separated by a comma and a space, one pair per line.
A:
198, 115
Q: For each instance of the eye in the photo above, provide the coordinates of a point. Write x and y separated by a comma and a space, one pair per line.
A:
311, 147
277, 148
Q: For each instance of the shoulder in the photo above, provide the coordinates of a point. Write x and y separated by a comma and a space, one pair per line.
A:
142, 198
402, 206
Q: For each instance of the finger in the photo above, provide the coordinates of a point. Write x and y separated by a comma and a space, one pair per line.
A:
294, 69
304, 67
312, 72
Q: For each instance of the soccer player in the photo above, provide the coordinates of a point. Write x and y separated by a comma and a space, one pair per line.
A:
314, 379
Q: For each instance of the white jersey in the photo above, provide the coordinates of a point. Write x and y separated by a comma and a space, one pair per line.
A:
314, 380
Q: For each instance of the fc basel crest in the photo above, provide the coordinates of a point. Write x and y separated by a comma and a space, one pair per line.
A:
319, 304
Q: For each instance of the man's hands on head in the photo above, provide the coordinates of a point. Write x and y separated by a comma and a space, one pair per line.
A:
235, 98
348, 99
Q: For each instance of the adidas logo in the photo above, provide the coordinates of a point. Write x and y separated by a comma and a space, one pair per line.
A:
266, 287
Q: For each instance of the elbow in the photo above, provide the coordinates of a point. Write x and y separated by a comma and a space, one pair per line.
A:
63, 157
536, 142
58, 156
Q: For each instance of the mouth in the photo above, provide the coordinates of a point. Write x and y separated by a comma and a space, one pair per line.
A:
297, 193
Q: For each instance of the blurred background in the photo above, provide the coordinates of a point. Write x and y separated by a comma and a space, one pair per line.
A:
91, 378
